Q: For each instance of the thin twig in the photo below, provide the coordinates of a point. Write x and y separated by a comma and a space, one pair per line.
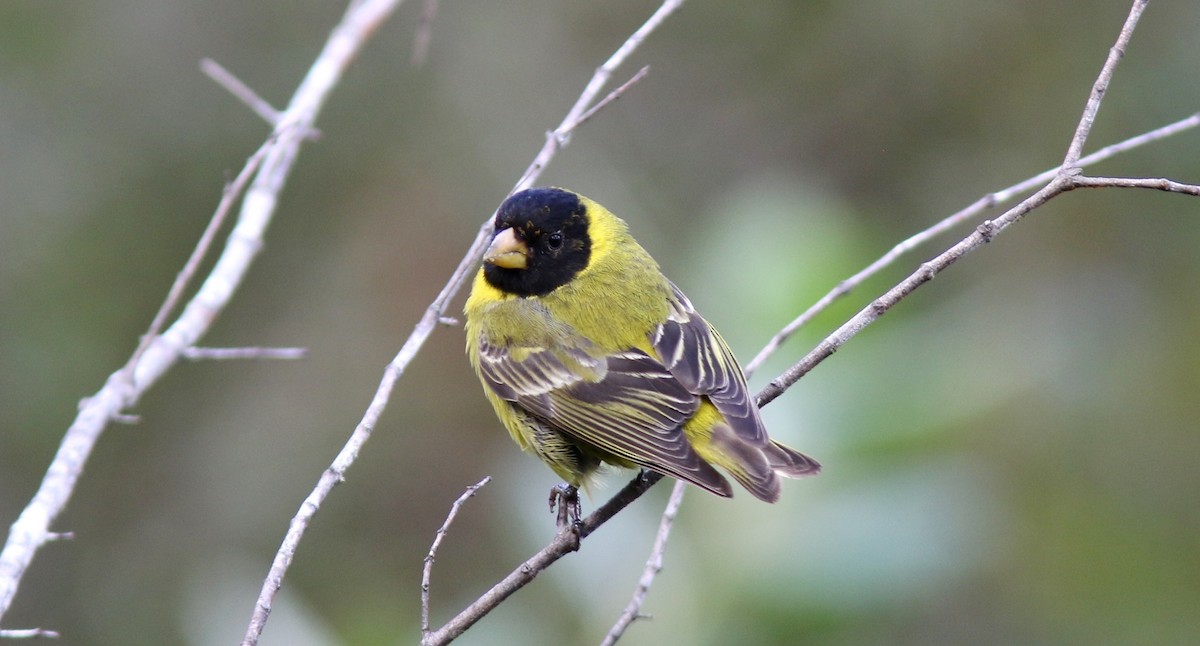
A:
654, 565
241, 91
1155, 183
427, 571
1070, 163
434, 315
229, 197
225, 354
614, 95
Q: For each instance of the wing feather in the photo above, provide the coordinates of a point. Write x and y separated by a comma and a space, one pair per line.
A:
626, 404
700, 360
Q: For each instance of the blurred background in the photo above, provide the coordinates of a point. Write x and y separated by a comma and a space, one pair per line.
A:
1010, 454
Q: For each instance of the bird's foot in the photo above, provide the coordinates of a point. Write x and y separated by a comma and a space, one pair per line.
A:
565, 499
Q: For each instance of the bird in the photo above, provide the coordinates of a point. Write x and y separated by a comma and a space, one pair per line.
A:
591, 356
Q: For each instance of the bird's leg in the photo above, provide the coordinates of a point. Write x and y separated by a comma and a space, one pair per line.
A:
565, 498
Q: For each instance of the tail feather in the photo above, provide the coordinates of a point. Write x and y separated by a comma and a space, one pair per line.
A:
748, 464
789, 462
756, 467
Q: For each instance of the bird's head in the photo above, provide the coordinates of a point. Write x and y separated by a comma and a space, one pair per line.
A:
541, 241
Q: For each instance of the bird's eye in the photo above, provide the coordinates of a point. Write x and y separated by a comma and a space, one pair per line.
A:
554, 240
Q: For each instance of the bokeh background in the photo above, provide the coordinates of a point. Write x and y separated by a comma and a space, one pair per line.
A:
1011, 454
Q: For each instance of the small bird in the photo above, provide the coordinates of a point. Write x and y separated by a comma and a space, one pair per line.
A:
590, 355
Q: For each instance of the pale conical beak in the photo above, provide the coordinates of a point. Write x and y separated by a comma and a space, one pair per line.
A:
507, 251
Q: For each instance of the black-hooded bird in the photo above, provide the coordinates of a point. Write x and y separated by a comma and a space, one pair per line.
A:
590, 355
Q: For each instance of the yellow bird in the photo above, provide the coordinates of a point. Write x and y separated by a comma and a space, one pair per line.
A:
590, 355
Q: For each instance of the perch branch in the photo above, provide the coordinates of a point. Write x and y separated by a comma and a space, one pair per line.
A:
564, 542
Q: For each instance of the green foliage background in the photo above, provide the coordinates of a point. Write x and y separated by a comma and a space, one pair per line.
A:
1010, 454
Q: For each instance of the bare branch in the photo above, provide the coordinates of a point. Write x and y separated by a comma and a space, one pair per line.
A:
1100, 87
654, 565
223, 354
427, 571
159, 352
1156, 183
978, 206
614, 95
1112, 150
241, 91
361, 20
